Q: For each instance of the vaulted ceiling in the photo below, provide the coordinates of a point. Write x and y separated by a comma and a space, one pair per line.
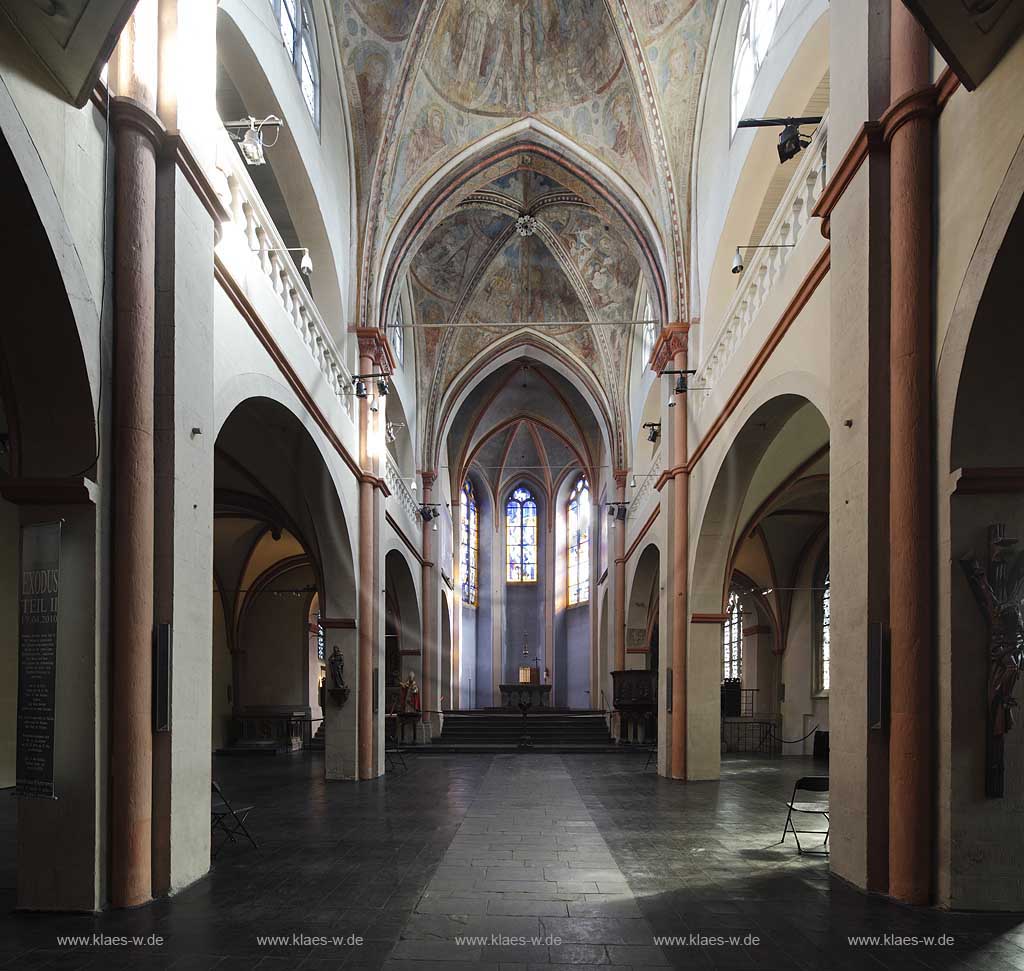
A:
522, 162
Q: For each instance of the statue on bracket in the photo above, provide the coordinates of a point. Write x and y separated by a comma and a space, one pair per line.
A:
999, 590
340, 691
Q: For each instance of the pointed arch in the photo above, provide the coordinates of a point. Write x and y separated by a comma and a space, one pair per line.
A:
525, 137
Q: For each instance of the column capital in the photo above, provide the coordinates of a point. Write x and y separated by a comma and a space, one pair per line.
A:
672, 339
373, 343
129, 113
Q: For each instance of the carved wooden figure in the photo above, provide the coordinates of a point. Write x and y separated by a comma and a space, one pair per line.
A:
999, 589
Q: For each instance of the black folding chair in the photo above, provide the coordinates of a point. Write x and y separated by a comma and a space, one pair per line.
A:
228, 819
652, 756
809, 783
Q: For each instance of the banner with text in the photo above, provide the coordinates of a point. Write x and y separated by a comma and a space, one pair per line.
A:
37, 657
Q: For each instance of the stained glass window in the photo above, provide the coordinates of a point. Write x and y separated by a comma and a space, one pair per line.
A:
578, 521
825, 653
298, 33
753, 38
521, 536
650, 333
396, 334
470, 545
732, 639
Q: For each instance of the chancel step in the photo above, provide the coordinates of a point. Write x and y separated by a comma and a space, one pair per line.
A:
498, 730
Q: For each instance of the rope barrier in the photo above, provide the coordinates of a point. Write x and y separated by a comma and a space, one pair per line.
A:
791, 741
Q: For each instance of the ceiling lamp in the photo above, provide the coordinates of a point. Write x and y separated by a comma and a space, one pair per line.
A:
248, 134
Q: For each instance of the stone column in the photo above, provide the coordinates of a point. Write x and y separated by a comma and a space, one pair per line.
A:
428, 696
670, 352
137, 133
680, 555
367, 584
619, 604
908, 129
619, 553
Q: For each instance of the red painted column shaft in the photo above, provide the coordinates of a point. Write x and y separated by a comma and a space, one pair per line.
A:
426, 667
620, 578
131, 747
680, 554
910, 740
367, 593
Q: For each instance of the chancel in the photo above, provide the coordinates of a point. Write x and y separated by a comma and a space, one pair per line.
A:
419, 546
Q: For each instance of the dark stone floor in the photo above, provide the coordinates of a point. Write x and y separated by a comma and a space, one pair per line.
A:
595, 850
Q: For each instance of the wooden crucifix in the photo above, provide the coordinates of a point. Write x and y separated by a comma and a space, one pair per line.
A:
999, 590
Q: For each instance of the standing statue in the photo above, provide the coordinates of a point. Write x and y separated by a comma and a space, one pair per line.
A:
410, 697
337, 662
999, 590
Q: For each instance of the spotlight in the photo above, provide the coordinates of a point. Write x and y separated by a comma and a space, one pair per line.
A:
382, 386
360, 388
737, 262
426, 513
681, 384
252, 147
248, 133
632, 482
373, 405
611, 512
653, 430
671, 401
435, 513
791, 143
306, 264
620, 513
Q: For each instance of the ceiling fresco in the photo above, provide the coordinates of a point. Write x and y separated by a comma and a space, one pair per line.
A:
607, 88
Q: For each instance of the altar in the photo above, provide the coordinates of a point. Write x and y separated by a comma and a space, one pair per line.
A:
524, 696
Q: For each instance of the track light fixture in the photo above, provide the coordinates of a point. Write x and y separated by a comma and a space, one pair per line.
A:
653, 430
737, 260
429, 512
791, 140
616, 513
359, 384
248, 134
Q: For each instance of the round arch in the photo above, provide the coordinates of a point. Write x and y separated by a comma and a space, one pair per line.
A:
50, 351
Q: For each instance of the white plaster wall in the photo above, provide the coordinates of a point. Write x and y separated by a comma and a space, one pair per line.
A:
732, 169
314, 168
990, 121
